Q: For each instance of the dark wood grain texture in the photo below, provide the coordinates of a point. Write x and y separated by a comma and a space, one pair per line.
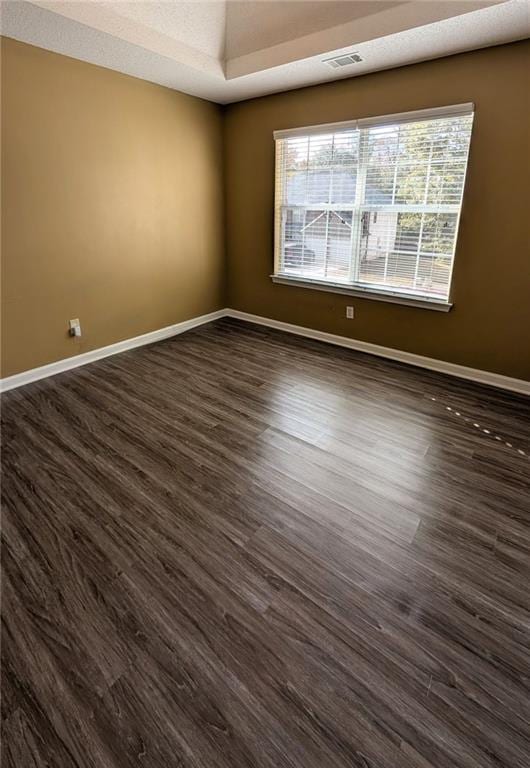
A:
243, 548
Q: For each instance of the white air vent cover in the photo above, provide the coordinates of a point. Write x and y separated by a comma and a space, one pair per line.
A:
346, 60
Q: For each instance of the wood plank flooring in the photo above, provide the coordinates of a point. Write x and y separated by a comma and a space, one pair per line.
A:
243, 548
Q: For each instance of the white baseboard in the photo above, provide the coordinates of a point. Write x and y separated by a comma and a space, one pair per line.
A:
19, 379
461, 371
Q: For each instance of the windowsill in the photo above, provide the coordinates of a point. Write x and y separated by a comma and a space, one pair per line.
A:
393, 297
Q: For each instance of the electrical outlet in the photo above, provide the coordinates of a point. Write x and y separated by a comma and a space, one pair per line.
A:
74, 327
349, 313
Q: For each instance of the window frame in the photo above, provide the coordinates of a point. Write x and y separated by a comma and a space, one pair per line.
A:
356, 287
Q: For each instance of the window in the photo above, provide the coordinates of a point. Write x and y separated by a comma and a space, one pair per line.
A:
372, 206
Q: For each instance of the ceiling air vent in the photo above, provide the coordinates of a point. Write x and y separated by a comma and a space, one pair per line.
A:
346, 60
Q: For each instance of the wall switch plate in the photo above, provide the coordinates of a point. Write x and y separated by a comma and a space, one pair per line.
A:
350, 313
74, 327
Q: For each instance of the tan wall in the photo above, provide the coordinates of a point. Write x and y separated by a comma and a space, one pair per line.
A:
112, 206
489, 326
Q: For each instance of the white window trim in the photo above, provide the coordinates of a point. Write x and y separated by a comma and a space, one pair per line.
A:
376, 293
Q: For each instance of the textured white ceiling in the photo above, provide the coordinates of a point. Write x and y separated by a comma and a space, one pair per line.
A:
200, 25
252, 26
231, 51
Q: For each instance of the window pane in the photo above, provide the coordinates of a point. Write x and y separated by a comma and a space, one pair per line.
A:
304, 247
343, 185
318, 186
446, 183
417, 163
345, 150
338, 266
296, 152
318, 243
412, 251
295, 187
411, 184
381, 155
294, 221
320, 151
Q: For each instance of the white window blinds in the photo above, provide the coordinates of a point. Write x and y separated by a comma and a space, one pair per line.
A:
373, 204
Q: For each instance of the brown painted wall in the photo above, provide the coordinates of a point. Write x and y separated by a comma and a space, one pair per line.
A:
112, 206
489, 326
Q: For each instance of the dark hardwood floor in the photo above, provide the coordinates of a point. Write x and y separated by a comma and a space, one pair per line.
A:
243, 548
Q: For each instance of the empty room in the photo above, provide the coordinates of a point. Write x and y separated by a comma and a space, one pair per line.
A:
265, 375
